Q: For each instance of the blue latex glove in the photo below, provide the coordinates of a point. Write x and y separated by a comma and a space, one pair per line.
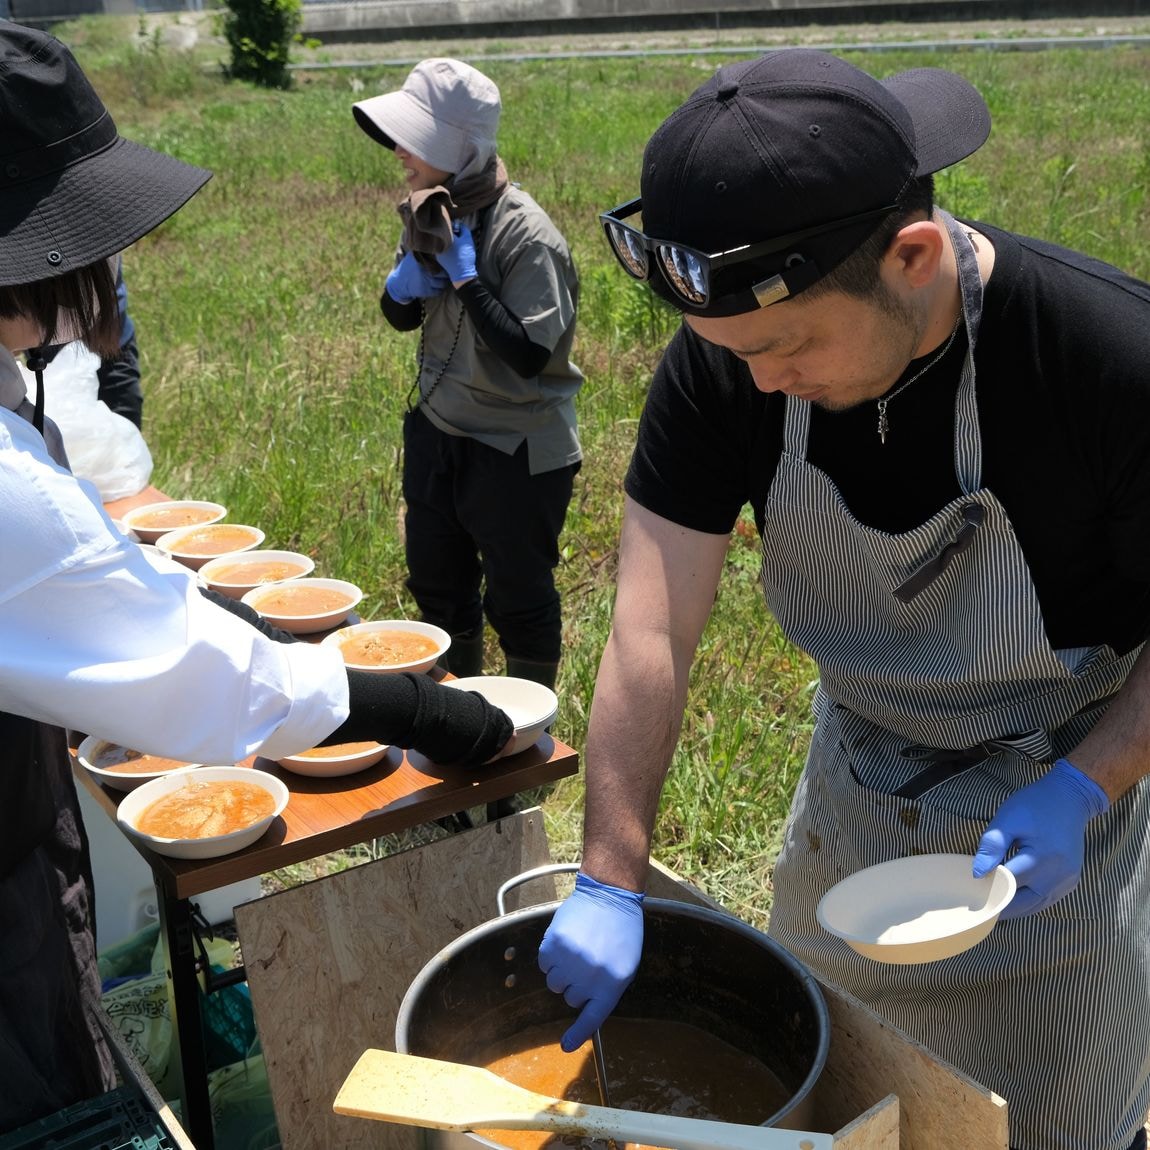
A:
410, 280
591, 951
459, 259
1046, 822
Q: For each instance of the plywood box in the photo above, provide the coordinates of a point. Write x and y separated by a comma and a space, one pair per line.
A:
329, 962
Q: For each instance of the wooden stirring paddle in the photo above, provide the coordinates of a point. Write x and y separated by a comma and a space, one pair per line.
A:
418, 1091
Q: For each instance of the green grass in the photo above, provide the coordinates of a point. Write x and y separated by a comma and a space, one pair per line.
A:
274, 386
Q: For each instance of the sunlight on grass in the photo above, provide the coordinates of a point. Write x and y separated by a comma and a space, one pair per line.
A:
274, 386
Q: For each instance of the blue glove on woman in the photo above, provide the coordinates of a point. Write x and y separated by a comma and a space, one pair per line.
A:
410, 280
591, 951
459, 259
1046, 822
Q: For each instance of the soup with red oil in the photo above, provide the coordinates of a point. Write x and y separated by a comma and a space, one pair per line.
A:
201, 810
257, 571
386, 648
125, 761
302, 599
168, 518
214, 539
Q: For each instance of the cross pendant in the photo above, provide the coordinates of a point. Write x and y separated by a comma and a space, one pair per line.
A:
883, 422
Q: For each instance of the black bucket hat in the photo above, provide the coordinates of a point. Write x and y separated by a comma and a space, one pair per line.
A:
789, 145
72, 190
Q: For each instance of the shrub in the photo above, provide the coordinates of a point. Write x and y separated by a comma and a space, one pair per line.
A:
260, 34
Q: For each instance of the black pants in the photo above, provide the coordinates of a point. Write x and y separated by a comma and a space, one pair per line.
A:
482, 539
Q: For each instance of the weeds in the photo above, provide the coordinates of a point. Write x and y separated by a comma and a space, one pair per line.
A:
274, 386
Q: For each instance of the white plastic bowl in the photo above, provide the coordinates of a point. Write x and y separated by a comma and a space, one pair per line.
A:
916, 909
91, 748
304, 624
135, 803
330, 766
175, 543
437, 635
531, 707
170, 507
236, 585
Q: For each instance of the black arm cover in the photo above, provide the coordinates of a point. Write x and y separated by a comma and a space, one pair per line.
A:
401, 316
249, 615
409, 710
502, 332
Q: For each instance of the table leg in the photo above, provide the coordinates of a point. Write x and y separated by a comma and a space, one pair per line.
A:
187, 1021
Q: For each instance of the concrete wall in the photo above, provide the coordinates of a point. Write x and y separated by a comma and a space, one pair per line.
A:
386, 19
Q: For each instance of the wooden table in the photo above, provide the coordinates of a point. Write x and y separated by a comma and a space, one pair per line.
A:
322, 816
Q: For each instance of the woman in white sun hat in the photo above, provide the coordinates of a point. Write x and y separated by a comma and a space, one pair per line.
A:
491, 448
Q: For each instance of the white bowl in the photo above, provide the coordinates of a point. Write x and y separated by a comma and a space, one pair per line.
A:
223, 574
305, 622
93, 746
134, 804
340, 760
173, 509
437, 635
531, 707
916, 909
176, 543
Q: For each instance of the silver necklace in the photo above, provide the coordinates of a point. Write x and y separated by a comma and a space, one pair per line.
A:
883, 422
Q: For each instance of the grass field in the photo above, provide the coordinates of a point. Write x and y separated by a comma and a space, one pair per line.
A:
274, 386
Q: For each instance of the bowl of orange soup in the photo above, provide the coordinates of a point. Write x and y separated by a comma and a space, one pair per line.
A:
194, 546
391, 645
334, 760
124, 768
152, 520
236, 575
303, 606
204, 813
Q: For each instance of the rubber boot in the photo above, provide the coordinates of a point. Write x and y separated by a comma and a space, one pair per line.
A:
464, 657
544, 673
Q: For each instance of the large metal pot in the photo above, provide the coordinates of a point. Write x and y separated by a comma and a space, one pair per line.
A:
700, 967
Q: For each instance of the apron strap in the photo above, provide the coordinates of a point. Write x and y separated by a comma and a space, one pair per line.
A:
1034, 745
973, 517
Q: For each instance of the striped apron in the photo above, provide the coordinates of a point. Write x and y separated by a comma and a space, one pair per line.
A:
939, 696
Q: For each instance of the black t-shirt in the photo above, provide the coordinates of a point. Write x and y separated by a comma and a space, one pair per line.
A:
1063, 386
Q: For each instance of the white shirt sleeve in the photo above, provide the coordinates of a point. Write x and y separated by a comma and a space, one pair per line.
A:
95, 637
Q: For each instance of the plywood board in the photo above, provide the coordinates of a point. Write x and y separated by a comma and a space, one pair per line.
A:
328, 964
938, 1105
877, 1129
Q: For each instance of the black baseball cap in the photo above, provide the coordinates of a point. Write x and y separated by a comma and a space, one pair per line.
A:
788, 143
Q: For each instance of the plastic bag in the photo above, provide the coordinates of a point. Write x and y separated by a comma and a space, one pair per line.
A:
102, 446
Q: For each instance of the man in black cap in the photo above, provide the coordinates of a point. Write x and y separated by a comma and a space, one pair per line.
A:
95, 637
943, 430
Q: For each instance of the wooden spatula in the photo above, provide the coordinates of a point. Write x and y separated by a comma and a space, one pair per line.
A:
450, 1096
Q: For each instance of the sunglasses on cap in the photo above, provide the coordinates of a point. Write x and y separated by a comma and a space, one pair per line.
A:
688, 272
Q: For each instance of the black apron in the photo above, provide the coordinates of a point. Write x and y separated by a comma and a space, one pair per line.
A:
52, 1051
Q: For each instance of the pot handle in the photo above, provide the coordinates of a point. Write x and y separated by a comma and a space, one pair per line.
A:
527, 876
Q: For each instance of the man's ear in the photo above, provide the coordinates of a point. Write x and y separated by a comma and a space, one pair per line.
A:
915, 253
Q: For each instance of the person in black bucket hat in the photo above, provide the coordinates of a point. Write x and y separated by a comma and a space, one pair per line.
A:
967, 566
95, 638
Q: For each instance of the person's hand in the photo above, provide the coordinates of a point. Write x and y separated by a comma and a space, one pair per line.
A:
591, 951
1046, 822
459, 259
410, 280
